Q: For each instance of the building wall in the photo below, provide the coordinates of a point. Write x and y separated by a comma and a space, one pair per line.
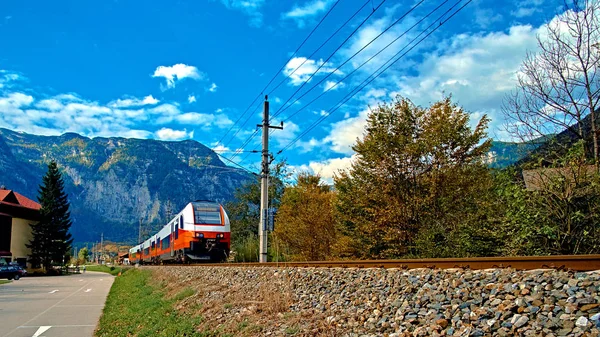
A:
21, 235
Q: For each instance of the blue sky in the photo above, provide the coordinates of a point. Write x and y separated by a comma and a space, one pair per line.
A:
176, 70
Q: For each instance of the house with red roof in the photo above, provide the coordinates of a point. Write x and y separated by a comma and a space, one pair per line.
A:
17, 213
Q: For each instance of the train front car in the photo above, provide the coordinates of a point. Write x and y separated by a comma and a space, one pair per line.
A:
211, 231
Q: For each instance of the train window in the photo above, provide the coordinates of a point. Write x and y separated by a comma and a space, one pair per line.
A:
207, 213
181, 222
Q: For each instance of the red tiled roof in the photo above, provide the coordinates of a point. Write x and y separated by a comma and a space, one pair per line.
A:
26, 202
4, 193
21, 199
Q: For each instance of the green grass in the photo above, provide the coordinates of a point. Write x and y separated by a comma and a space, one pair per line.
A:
136, 308
113, 270
4, 281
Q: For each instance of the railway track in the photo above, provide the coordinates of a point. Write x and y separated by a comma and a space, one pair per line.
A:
561, 262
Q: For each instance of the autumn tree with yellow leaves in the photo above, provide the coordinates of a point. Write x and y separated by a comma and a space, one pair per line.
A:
305, 225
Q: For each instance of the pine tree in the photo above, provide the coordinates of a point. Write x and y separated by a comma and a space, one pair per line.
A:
51, 240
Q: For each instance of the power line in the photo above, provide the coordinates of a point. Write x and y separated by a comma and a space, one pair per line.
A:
356, 69
361, 86
330, 56
244, 124
241, 148
280, 69
371, 58
316, 71
351, 57
236, 164
321, 46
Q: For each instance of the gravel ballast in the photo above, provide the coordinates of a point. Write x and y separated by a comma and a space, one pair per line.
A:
389, 302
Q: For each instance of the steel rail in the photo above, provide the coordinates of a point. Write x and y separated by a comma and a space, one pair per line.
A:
561, 262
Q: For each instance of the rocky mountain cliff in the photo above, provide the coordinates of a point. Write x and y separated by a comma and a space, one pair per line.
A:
114, 182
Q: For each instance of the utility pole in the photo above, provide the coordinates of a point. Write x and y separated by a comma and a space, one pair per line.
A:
101, 247
264, 186
140, 231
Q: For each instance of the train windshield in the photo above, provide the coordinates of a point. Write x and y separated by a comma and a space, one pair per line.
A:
207, 213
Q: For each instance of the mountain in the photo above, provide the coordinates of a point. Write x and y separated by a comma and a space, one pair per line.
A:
112, 183
504, 154
556, 146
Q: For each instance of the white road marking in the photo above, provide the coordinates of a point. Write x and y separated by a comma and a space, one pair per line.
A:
41, 330
53, 291
50, 308
88, 290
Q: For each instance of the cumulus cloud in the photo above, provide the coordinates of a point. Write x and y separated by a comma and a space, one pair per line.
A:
300, 13
178, 72
333, 85
213, 87
170, 134
328, 168
249, 7
191, 99
220, 148
195, 118
132, 102
15, 100
343, 134
7, 78
305, 68
69, 113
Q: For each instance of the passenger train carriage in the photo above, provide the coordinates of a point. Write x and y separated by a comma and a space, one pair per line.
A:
200, 232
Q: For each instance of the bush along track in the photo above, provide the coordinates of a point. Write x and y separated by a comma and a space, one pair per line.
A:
136, 306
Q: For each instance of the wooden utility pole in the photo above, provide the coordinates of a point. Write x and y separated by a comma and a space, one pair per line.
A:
264, 186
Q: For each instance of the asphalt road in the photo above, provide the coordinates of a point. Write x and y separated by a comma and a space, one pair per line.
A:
60, 306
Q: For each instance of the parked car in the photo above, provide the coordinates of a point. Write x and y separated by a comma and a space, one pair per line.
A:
12, 272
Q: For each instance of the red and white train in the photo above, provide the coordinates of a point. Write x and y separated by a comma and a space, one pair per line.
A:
201, 231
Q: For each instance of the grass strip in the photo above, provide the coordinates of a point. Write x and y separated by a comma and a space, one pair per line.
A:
4, 281
105, 269
135, 307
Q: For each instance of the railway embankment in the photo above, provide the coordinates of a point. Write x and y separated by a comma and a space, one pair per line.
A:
256, 301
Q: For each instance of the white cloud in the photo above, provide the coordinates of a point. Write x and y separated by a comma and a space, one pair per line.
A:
524, 12
220, 148
213, 87
477, 69
191, 99
7, 77
344, 133
133, 102
333, 85
327, 168
170, 134
248, 7
178, 72
50, 104
289, 132
15, 100
301, 13
306, 68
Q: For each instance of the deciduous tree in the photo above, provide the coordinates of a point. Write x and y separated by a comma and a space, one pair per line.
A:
559, 86
415, 171
305, 223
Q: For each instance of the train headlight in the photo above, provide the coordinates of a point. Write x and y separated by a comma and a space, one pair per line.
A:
220, 236
200, 235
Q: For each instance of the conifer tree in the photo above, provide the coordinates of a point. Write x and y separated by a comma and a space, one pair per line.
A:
51, 240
